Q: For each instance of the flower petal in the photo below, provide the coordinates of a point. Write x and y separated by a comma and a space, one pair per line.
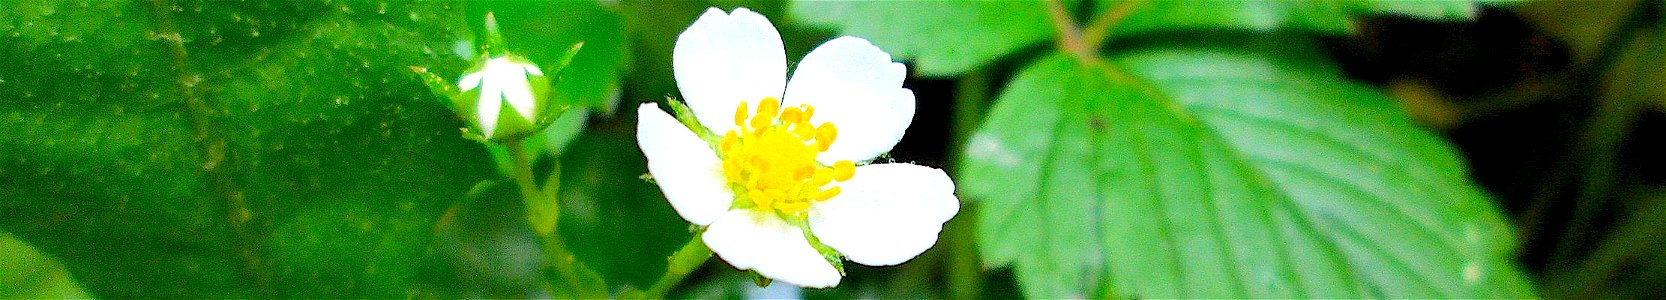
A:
762, 241
855, 86
685, 168
488, 106
469, 82
886, 214
510, 77
724, 59
518, 92
533, 69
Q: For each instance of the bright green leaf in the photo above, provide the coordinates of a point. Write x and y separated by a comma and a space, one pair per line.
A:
1427, 10
31, 274
1217, 171
1323, 16
234, 150
942, 38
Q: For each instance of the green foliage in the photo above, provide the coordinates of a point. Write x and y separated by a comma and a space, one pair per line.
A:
245, 149
947, 39
1327, 17
31, 274
943, 39
265, 149
616, 222
1225, 171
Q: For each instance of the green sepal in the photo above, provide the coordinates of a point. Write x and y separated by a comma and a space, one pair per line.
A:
566, 58
833, 257
759, 279
443, 88
686, 116
494, 44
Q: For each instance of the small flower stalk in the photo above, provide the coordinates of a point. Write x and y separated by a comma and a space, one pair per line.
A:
781, 174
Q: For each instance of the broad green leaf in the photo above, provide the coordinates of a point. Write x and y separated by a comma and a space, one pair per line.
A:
1225, 171
278, 149
1322, 16
31, 274
941, 38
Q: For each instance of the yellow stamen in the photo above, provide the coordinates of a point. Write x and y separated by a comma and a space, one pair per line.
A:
825, 135
843, 170
740, 115
770, 158
792, 115
827, 194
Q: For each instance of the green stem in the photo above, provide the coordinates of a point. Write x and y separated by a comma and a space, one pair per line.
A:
1099, 30
965, 279
964, 267
1598, 143
541, 216
1623, 246
679, 265
543, 213
971, 93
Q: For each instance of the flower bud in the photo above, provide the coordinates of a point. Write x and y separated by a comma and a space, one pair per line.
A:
511, 96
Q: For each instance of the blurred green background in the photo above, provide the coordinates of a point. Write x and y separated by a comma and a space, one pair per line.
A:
1131, 149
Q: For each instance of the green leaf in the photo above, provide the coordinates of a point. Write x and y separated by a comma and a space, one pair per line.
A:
233, 150
31, 274
1427, 10
560, 134
1328, 16
942, 38
1226, 171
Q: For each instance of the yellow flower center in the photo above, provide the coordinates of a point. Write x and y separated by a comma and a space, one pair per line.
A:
770, 159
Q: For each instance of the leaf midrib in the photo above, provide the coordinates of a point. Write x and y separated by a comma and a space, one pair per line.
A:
1187, 119
1426, 226
1245, 161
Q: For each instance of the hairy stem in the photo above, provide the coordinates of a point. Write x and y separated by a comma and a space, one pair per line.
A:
1598, 142
962, 262
679, 265
543, 214
1099, 30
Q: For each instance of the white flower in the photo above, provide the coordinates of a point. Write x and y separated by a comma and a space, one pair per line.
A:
786, 170
502, 79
